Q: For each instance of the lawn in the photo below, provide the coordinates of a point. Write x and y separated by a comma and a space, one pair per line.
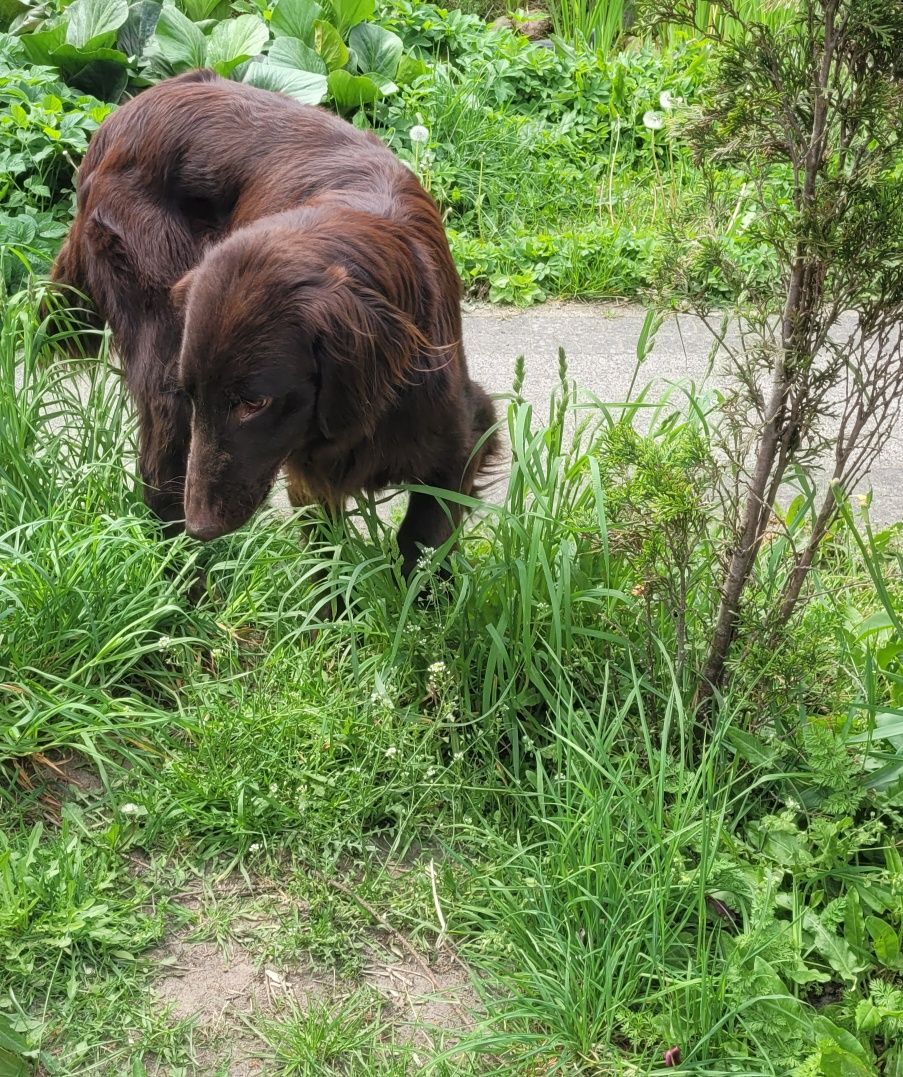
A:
266, 808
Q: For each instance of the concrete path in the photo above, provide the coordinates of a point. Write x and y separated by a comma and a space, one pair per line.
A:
600, 341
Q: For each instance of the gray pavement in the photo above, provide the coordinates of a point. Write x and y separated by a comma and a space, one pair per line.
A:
600, 341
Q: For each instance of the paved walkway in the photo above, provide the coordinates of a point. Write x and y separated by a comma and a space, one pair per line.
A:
600, 341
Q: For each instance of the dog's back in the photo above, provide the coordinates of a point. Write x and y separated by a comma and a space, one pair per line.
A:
190, 160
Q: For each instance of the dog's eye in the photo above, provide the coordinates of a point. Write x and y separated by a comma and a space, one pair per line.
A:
247, 409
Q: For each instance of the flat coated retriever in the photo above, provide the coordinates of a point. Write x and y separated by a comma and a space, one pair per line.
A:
281, 294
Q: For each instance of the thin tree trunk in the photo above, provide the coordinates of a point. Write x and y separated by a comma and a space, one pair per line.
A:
759, 492
795, 333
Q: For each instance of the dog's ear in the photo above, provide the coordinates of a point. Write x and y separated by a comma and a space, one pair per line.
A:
364, 347
106, 237
149, 248
178, 294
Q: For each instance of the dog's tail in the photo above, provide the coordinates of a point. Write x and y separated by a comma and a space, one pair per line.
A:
484, 438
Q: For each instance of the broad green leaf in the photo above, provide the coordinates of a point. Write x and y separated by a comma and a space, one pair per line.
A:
828, 1032
235, 40
853, 922
834, 1061
139, 27
309, 87
105, 75
290, 52
751, 748
69, 58
841, 1054
376, 50
14, 1050
94, 21
40, 47
833, 948
329, 44
868, 1016
410, 68
198, 10
13, 1065
885, 940
386, 86
877, 622
351, 91
295, 18
886, 725
179, 41
349, 13
887, 776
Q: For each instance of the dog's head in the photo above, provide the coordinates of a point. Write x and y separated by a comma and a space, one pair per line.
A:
287, 347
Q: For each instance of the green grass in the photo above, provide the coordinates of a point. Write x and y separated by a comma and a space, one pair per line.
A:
503, 767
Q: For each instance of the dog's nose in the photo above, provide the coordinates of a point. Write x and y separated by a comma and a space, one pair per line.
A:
204, 528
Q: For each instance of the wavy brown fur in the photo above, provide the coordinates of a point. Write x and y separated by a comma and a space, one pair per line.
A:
281, 293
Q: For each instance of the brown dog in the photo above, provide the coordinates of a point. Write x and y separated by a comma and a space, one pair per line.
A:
281, 293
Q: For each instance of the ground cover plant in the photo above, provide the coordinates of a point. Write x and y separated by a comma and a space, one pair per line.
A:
483, 824
44, 130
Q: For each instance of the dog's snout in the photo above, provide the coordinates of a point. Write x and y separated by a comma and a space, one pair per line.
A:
204, 528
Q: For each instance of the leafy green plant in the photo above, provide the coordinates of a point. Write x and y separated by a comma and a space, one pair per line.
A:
44, 129
297, 47
86, 43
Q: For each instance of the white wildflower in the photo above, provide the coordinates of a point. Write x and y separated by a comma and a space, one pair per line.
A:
255, 848
458, 756
131, 809
666, 100
436, 668
423, 561
419, 133
655, 121
164, 643
390, 751
274, 788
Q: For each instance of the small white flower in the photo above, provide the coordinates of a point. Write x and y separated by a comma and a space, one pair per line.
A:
458, 756
164, 643
655, 121
432, 772
274, 788
419, 133
390, 751
255, 848
666, 100
130, 809
436, 668
423, 561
